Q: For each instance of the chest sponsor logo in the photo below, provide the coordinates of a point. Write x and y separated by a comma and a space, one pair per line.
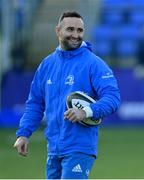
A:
69, 80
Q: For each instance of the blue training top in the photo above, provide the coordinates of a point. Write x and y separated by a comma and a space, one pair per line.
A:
57, 76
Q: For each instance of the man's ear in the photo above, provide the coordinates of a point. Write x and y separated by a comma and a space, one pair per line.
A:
57, 30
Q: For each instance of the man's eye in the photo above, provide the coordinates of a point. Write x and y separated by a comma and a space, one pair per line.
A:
70, 29
80, 30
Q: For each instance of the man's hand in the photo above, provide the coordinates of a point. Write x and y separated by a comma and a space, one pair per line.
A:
75, 115
21, 145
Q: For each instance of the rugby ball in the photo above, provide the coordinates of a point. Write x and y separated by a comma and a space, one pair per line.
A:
79, 100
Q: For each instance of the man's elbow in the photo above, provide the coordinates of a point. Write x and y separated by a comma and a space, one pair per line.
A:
116, 103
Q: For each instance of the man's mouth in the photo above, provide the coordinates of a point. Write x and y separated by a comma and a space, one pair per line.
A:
75, 41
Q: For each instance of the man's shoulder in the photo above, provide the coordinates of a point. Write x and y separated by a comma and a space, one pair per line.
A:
96, 61
92, 57
49, 58
46, 61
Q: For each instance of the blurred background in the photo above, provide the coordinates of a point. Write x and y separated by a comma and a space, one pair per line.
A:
27, 35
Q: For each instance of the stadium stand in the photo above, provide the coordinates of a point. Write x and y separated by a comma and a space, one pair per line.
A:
120, 23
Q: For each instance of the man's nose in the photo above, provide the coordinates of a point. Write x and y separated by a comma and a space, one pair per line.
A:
75, 34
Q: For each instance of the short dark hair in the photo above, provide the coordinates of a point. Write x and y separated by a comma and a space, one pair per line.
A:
69, 14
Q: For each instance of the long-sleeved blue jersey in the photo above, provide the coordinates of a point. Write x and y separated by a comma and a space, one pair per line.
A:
57, 76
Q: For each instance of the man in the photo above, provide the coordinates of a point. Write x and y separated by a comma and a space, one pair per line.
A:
72, 147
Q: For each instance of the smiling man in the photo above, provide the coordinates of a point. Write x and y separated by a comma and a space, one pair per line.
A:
70, 32
72, 147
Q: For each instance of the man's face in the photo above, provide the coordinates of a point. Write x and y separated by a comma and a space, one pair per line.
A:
70, 33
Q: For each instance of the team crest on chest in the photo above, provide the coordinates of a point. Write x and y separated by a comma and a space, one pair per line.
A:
69, 80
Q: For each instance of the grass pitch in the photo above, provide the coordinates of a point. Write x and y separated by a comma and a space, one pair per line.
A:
120, 155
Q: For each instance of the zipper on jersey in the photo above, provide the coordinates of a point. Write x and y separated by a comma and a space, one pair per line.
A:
59, 99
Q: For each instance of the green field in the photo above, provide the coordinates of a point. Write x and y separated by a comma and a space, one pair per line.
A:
121, 155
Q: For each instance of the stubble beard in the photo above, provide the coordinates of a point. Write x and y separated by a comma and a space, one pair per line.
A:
71, 44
